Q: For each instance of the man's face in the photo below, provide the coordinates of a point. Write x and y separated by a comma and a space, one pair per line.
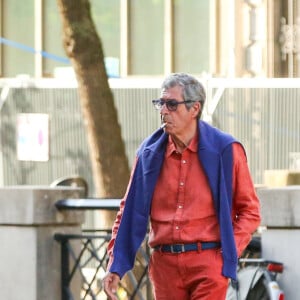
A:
180, 120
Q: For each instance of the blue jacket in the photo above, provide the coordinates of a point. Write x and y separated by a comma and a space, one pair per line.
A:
216, 156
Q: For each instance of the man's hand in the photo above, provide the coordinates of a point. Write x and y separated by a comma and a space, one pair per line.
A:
110, 284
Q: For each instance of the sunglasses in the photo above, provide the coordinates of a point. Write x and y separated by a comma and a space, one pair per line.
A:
171, 104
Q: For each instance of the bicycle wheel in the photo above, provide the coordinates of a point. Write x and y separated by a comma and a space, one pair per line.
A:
259, 291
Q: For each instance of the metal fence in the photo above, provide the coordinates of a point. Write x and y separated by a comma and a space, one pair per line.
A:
262, 113
88, 264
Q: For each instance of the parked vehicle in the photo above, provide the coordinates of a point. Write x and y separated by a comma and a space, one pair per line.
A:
256, 276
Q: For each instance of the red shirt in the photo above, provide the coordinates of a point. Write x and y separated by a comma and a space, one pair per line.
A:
182, 206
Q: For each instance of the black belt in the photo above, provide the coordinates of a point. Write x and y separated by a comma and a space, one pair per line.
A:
180, 248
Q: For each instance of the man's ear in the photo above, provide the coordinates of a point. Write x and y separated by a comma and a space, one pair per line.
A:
196, 108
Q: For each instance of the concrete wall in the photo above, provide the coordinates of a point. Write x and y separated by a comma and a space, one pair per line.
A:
30, 257
280, 209
280, 178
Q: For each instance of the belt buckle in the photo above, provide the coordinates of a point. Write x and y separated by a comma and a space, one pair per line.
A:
177, 248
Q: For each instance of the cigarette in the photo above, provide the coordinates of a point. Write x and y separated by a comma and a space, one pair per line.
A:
163, 125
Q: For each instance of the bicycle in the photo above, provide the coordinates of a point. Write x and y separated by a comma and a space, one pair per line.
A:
257, 277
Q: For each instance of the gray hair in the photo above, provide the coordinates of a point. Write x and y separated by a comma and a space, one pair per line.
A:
192, 89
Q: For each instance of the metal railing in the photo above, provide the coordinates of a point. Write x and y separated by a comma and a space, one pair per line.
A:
84, 259
262, 113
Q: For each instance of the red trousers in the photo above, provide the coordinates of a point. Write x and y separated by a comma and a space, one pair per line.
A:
188, 276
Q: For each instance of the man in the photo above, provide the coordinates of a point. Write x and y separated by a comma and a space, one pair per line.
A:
194, 183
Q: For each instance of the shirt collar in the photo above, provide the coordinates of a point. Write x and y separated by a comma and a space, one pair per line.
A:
193, 146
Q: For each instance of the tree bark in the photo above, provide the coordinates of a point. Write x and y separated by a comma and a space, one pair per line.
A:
107, 151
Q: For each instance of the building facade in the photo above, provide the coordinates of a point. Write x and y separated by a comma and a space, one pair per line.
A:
218, 38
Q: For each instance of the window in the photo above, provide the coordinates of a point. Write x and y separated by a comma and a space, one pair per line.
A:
52, 38
18, 27
106, 16
139, 37
146, 33
192, 48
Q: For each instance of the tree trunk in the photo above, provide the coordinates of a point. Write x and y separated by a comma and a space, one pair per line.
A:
107, 151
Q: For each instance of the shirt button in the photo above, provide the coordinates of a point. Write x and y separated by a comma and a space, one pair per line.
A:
177, 227
180, 206
181, 183
184, 161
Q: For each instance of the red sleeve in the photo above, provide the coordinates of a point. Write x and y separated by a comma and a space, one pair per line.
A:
246, 207
117, 222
